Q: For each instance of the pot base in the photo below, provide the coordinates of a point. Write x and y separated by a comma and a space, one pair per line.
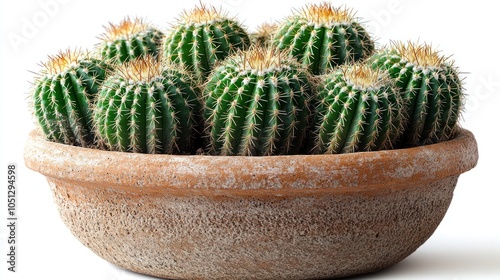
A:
292, 237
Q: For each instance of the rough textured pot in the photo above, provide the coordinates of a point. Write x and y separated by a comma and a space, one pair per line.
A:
280, 217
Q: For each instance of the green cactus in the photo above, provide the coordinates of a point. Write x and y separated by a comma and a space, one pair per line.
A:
431, 89
63, 96
322, 37
358, 109
148, 107
129, 39
202, 37
257, 103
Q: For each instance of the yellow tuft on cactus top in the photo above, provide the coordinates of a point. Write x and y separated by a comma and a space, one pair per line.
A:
261, 58
325, 13
266, 29
364, 76
62, 61
143, 69
420, 54
202, 14
127, 27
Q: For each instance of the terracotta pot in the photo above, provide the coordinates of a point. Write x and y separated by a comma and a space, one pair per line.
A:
279, 217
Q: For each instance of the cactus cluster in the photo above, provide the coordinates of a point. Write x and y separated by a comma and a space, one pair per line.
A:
313, 83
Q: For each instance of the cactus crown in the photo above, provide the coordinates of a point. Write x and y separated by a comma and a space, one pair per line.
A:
62, 61
423, 55
126, 28
260, 59
326, 14
202, 14
364, 77
264, 32
140, 70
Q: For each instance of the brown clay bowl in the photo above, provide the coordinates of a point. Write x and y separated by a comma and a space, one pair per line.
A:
279, 217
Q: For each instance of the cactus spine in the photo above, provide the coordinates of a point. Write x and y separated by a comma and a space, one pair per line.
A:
431, 89
201, 37
129, 39
63, 96
147, 107
257, 103
322, 37
264, 34
358, 109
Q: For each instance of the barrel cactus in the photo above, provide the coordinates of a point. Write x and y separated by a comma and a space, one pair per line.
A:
322, 37
257, 103
430, 86
147, 107
358, 109
129, 39
63, 95
201, 37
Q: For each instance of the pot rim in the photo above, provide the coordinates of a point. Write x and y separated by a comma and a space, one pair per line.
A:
245, 174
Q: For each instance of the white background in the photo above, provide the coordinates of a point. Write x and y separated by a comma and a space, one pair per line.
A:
465, 246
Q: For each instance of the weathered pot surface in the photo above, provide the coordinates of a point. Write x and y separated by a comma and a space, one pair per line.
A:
279, 217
